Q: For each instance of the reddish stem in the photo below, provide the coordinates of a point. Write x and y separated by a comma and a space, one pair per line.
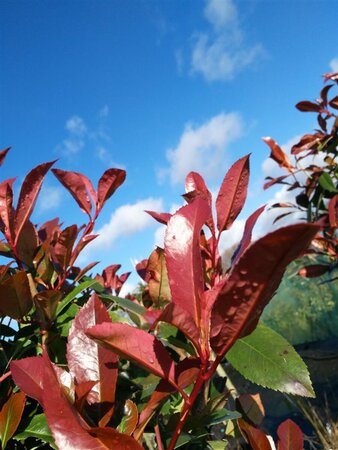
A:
5, 375
158, 438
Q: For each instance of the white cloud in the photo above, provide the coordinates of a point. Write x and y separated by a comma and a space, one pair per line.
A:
76, 126
202, 148
49, 198
222, 53
334, 64
104, 111
125, 221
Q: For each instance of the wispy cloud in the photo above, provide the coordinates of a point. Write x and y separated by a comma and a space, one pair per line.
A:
202, 148
334, 64
80, 136
49, 198
126, 220
222, 52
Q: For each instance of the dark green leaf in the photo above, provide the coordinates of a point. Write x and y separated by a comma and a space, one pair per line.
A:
37, 428
326, 182
266, 358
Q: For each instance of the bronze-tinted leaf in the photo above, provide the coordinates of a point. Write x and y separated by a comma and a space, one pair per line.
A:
28, 195
10, 416
242, 296
113, 440
307, 106
3, 154
27, 243
232, 194
277, 154
15, 296
62, 251
290, 436
255, 437
6, 210
160, 217
333, 212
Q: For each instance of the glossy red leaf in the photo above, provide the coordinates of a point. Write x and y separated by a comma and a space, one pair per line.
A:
15, 296
108, 183
62, 251
255, 437
10, 416
6, 209
27, 243
81, 393
333, 212
307, 106
160, 217
232, 193
290, 436
242, 296
3, 154
28, 195
247, 233
277, 154
88, 361
183, 256
136, 345
76, 184
195, 185
181, 319
27, 373
113, 440
68, 428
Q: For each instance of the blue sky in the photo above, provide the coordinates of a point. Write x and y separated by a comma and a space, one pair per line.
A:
158, 88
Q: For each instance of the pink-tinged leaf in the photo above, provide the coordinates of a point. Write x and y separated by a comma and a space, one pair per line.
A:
81, 393
177, 316
247, 234
10, 416
232, 193
307, 106
160, 217
3, 154
6, 210
255, 437
314, 270
290, 436
27, 373
241, 297
88, 361
68, 428
195, 182
278, 155
76, 184
113, 440
131, 343
183, 256
28, 195
15, 296
108, 183
333, 212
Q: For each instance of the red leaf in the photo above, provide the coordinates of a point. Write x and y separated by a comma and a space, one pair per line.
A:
242, 296
27, 243
232, 193
324, 92
160, 217
290, 436
28, 195
177, 316
62, 251
77, 185
3, 154
272, 181
10, 416
278, 155
108, 183
255, 437
183, 256
68, 428
88, 361
314, 270
6, 209
15, 296
137, 345
333, 212
307, 106
27, 373
113, 440
334, 102
247, 233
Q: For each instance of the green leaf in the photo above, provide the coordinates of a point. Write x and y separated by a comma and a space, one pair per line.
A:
124, 303
37, 428
266, 358
80, 288
217, 445
326, 182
